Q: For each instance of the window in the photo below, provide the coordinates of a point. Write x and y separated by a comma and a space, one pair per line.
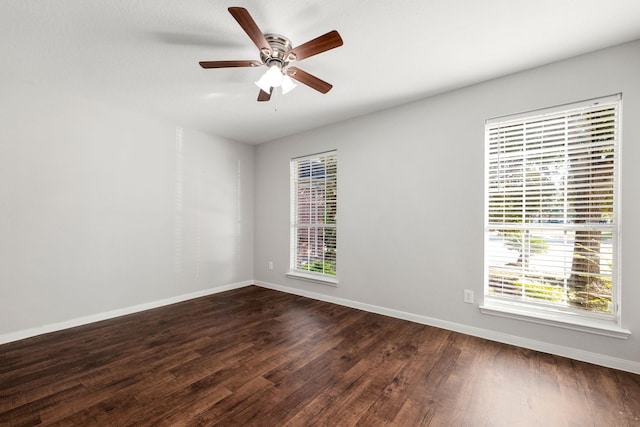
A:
551, 221
314, 181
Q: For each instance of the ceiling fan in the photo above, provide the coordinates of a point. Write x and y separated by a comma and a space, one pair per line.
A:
276, 52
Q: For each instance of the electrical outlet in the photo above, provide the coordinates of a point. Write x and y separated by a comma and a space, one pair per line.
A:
468, 296
270, 265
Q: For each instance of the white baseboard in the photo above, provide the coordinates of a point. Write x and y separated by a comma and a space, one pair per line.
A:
558, 350
28, 333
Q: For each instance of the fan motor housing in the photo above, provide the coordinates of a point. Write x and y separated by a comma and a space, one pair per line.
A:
279, 45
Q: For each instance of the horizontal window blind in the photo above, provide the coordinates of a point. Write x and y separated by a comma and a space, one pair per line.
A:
551, 220
314, 181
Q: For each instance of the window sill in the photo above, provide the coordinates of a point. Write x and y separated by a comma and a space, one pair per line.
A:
317, 278
558, 319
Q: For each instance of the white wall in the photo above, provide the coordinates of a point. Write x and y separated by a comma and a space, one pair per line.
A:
410, 212
105, 209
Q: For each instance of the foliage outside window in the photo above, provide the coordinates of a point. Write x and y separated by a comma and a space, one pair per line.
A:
551, 197
313, 214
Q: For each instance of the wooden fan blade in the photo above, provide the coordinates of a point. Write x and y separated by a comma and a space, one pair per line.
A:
264, 96
251, 28
309, 79
229, 64
328, 41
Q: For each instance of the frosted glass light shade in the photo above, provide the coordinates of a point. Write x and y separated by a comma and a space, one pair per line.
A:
263, 84
274, 76
287, 84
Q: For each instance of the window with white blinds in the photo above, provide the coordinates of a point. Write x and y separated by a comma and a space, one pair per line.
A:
551, 218
314, 196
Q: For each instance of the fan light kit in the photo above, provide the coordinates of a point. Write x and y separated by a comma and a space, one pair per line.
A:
276, 61
275, 78
276, 52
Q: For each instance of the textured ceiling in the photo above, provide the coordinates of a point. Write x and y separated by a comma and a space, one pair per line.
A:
143, 55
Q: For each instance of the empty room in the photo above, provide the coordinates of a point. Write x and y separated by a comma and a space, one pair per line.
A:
330, 213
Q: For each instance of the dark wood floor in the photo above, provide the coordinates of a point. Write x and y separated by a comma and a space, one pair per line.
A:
259, 357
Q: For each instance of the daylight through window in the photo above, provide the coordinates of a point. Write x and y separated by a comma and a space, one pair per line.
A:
313, 214
551, 230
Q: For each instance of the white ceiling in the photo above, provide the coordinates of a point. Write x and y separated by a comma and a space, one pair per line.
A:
143, 54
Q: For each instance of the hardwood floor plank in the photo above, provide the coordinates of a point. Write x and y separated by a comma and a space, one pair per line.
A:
257, 357
189, 404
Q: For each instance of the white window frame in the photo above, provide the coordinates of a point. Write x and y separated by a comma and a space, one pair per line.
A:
537, 311
318, 224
